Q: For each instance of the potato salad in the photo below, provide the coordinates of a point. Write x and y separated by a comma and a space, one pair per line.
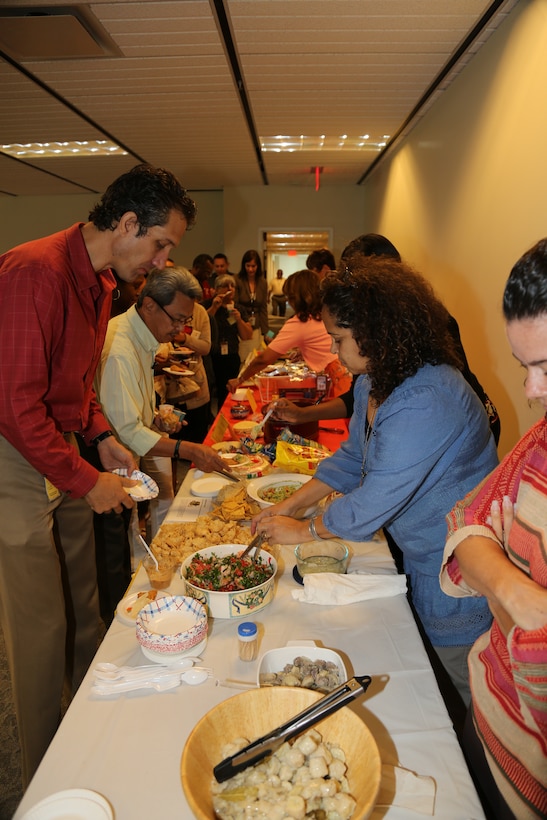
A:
305, 779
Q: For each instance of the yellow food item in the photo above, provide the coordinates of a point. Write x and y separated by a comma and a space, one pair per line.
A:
143, 598
179, 540
236, 505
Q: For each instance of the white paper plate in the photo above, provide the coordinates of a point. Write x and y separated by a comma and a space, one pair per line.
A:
141, 492
71, 804
162, 657
178, 372
122, 609
208, 486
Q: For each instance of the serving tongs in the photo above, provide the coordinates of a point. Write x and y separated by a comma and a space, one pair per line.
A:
227, 474
268, 744
255, 544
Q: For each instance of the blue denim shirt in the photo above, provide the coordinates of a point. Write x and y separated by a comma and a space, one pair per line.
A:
430, 444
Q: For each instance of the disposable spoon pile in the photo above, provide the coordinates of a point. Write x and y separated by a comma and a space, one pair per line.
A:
112, 680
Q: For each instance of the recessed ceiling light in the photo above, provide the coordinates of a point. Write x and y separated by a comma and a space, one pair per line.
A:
283, 143
78, 148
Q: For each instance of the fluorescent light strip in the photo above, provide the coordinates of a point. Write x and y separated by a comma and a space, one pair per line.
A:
281, 143
79, 148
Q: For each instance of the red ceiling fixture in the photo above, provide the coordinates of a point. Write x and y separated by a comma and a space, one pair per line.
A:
317, 170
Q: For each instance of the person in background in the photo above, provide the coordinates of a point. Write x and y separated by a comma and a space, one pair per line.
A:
230, 319
252, 294
203, 270
221, 265
497, 550
373, 244
195, 335
125, 294
56, 295
321, 262
305, 331
276, 294
125, 381
418, 437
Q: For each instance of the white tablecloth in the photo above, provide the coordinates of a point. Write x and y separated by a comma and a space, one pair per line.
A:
128, 748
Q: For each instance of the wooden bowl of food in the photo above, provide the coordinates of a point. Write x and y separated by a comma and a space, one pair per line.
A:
252, 714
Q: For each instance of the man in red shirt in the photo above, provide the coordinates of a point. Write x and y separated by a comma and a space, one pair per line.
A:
55, 300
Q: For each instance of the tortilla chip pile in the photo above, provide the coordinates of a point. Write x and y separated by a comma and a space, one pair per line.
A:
177, 541
235, 505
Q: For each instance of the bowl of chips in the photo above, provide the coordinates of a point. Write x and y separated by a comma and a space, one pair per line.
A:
234, 504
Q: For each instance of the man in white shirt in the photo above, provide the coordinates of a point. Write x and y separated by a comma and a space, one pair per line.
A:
125, 379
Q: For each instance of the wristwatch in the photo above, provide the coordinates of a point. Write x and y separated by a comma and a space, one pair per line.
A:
101, 437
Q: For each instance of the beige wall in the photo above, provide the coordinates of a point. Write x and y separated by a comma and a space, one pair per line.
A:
466, 194
249, 210
25, 218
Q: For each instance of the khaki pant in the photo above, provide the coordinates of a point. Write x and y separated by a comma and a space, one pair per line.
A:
48, 598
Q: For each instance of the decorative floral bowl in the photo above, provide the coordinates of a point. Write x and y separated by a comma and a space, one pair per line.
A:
172, 624
234, 604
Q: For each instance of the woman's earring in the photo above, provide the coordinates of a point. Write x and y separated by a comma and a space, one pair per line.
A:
116, 294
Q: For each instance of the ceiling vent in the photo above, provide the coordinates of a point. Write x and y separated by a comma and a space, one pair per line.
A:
58, 33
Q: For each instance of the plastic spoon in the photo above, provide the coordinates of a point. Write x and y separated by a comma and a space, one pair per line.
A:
196, 676
149, 551
109, 671
258, 427
163, 680
162, 685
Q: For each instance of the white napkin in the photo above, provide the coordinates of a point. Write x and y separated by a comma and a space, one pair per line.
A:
331, 588
408, 790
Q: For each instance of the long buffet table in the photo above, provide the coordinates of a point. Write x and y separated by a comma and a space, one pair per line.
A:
128, 747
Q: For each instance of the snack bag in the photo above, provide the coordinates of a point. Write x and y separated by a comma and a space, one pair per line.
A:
299, 458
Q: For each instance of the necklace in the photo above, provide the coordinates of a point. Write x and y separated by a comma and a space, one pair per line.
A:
369, 429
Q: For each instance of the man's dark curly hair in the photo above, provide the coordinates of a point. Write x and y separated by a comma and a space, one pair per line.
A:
303, 294
394, 316
151, 193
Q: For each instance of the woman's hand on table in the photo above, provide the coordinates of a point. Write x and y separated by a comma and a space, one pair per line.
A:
281, 529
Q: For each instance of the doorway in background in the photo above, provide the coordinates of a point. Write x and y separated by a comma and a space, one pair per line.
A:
288, 250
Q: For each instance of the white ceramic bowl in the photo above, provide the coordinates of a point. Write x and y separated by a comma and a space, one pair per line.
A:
275, 660
243, 428
172, 624
232, 604
256, 486
239, 395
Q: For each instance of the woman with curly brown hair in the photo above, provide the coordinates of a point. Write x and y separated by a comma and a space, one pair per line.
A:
419, 439
305, 331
